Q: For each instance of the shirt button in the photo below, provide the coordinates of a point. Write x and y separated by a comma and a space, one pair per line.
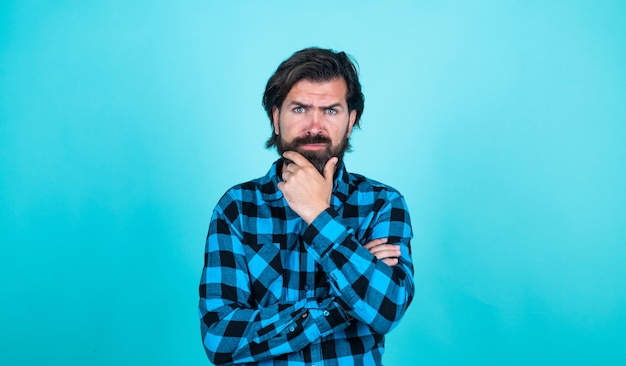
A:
292, 329
326, 313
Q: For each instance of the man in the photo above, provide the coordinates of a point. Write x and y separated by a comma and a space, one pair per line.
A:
310, 264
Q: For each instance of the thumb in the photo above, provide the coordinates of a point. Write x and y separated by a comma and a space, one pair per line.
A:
329, 169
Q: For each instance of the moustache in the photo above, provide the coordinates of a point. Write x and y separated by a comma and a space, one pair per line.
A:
311, 139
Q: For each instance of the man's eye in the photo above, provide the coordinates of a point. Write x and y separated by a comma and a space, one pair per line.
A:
331, 111
299, 109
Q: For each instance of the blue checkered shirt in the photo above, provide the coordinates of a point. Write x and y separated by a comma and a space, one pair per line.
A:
276, 291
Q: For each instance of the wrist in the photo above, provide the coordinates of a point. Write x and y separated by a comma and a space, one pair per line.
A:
312, 214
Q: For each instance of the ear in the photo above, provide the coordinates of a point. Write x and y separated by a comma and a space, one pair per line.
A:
351, 121
275, 115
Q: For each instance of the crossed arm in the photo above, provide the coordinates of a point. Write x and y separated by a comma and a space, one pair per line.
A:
362, 288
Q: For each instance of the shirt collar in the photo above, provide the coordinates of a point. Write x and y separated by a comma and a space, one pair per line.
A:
269, 183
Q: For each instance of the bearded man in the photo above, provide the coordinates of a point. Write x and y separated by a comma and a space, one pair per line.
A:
309, 264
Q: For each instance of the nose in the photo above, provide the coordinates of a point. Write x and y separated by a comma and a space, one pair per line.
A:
315, 123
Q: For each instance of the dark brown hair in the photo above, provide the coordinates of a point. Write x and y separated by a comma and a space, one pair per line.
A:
314, 64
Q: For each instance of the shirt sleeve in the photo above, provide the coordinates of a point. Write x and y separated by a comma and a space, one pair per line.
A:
368, 289
234, 329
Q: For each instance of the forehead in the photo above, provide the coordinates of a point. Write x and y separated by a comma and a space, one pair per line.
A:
307, 91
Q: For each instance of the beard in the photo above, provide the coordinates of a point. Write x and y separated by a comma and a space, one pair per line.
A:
317, 158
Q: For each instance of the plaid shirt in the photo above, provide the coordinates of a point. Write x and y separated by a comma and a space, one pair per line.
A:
276, 291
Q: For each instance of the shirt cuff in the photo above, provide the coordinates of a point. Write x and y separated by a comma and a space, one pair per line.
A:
333, 318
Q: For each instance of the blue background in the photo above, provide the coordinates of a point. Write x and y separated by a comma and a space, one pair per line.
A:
502, 122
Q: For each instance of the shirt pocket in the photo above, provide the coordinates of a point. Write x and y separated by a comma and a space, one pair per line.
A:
266, 273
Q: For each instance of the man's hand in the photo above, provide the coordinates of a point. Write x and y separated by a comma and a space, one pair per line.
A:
388, 253
307, 192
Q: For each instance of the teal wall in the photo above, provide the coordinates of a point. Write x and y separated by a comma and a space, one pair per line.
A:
503, 123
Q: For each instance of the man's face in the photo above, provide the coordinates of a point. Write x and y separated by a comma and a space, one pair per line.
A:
314, 120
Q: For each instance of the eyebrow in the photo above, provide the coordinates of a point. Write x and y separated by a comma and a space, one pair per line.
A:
304, 105
335, 105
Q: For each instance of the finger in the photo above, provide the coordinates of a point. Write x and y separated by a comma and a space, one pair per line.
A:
289, 166
388, 248
390, 261
386, 254
329, 168
296, 158
375, 242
